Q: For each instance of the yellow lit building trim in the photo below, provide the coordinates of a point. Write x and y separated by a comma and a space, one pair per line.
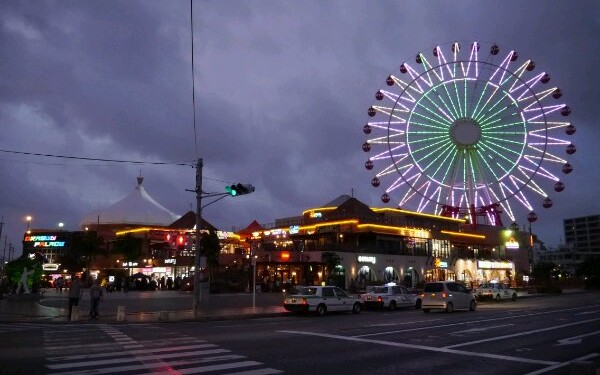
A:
318, 209
136, 230
404, 231
398, 210
341, 222
460, 234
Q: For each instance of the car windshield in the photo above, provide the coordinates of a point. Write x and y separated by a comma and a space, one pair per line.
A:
434, 287
307, 291
379, 290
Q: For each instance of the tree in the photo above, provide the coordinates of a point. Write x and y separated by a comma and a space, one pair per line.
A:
589, 270
14, 270
211, 248
542, 272
331, 260
81, 249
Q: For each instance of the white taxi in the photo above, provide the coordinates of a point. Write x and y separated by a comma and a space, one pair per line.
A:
390, 296
321, 299
495, 291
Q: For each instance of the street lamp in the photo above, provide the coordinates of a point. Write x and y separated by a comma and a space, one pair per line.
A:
532, 217
28, 218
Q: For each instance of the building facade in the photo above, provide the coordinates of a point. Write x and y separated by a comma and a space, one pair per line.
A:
350, 244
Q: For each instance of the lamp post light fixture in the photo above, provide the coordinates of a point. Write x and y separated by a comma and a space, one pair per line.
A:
532, 217
28, 219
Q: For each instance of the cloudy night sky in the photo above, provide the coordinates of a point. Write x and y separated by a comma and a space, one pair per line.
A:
282, 91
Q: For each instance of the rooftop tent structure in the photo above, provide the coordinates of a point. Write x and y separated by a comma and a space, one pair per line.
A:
137, 208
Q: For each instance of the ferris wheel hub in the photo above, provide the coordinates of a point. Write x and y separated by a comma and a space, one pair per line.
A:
465, 132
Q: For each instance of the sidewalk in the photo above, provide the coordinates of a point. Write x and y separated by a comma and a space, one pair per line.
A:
144, 306
156, 306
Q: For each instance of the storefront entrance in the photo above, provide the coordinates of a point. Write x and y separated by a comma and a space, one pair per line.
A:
440, 274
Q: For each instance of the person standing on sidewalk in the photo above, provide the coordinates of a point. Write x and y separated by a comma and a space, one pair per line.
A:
95, 298
75, 293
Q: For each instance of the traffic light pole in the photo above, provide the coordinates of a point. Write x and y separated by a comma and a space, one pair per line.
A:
197, 256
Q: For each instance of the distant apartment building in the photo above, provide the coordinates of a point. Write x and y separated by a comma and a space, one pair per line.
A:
583, 234
582, 239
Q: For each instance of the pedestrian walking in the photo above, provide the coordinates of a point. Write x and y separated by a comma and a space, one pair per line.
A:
75, 294
95, 298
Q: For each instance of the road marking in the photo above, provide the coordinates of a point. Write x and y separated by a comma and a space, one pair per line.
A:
562, 364
588, 312
427, 348
520, 334
473, 330
575, 339
156, 367
403, 323
151, 357
132, 352
469, 322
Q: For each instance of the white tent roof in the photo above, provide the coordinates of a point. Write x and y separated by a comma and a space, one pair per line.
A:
137, 208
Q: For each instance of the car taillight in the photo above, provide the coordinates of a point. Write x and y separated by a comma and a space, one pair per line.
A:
422, 295
304, 301
444, 295
379, 299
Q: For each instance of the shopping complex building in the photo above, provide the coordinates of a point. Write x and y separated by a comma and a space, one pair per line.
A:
345, 242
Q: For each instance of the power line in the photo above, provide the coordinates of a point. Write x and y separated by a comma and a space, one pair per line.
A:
96, 159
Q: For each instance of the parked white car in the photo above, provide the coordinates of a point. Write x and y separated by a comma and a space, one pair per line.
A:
321, 299
390, 296
495, 291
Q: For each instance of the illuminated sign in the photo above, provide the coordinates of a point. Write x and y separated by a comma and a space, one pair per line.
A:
49, 244
50, 267
511, 244
314, 214
367, 259
294, 229
440, 264
285, 256
171, 261
44, 241
494, 265
39, 238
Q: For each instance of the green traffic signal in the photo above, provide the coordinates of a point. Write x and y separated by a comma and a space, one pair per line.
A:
239, 189
231, 190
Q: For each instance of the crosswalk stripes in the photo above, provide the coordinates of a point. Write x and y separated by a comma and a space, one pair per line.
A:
109, 350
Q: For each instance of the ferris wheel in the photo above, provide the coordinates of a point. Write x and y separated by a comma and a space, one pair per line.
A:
469, 129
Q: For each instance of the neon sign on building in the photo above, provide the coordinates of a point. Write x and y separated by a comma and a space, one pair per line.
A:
44, 241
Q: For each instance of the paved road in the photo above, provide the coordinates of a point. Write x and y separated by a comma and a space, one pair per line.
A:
529, 336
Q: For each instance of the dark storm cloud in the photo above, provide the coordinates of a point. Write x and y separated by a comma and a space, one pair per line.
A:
282, 89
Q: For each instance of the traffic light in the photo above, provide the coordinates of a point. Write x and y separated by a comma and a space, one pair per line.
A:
239, 189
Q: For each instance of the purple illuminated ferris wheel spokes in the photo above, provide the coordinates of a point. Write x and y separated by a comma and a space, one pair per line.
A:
468, 126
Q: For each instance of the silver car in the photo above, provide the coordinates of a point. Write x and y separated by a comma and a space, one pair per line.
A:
448, 296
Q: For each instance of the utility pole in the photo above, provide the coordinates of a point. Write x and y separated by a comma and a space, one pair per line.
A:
198, 253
